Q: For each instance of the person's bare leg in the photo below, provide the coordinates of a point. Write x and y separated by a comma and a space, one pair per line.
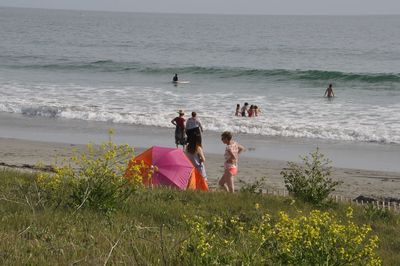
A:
230, 184
222, 182
225, 180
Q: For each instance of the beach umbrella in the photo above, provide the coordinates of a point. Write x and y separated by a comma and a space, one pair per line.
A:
171, 168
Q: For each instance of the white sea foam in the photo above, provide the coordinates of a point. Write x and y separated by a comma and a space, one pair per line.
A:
281, 115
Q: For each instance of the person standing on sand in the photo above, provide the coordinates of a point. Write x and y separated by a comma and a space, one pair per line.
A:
179, 123
194, 128
329, 92
232, 151
195, 153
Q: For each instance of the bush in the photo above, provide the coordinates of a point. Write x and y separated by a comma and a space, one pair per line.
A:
93, 179
316, 239
255, 187
372, 213
310, 181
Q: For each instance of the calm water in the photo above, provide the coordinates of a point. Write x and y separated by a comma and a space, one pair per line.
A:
117, 67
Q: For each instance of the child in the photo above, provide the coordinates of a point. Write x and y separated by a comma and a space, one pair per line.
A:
244, 109
237, 110
179, 122
232, 151
256, 110
251, 111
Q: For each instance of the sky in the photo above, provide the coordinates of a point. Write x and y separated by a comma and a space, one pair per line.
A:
268, 7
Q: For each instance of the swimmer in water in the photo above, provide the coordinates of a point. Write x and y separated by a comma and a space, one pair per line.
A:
329, 92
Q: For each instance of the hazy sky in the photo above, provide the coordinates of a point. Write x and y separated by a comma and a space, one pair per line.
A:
305, 7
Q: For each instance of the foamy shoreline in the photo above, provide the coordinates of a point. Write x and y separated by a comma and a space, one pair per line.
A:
356, 155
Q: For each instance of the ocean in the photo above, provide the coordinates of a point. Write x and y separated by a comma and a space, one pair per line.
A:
117, 68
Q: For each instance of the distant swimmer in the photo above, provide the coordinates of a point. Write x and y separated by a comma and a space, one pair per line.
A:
237, 112
244, 109
175, 78
329, 92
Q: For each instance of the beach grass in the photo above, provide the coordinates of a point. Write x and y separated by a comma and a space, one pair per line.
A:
148, 229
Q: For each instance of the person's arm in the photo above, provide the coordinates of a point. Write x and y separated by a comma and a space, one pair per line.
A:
241, 149
201, 154
173, 122
200, 126
326, 92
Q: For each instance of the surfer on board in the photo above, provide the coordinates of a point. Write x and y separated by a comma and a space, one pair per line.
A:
175, 78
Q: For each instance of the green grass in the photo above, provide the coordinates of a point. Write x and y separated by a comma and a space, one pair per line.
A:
145, 230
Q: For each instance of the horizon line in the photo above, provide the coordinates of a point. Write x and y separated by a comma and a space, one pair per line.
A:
194, 13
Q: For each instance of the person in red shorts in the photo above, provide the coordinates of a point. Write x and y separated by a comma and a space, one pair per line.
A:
232, 151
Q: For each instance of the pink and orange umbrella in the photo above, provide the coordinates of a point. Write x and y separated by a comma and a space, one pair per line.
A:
171, 168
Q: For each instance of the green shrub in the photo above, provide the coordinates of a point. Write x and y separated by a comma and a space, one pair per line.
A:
317, 239
93, 179
310, 181
255, 187
373, 212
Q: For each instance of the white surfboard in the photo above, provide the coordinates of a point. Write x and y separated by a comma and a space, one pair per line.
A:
181, 82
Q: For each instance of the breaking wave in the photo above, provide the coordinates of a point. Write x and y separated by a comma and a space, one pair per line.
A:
219, 72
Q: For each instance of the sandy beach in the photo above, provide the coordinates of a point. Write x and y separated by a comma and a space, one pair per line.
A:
367, 169
25, 154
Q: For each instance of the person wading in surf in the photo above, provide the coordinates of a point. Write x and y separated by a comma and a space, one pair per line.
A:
329, 92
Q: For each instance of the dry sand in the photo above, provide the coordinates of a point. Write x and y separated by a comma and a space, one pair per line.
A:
25, 154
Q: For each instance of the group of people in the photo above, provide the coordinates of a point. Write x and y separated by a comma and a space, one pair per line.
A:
251, 111
187, 131
188, 134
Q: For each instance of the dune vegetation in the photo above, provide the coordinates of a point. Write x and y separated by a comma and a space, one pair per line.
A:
86, 212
